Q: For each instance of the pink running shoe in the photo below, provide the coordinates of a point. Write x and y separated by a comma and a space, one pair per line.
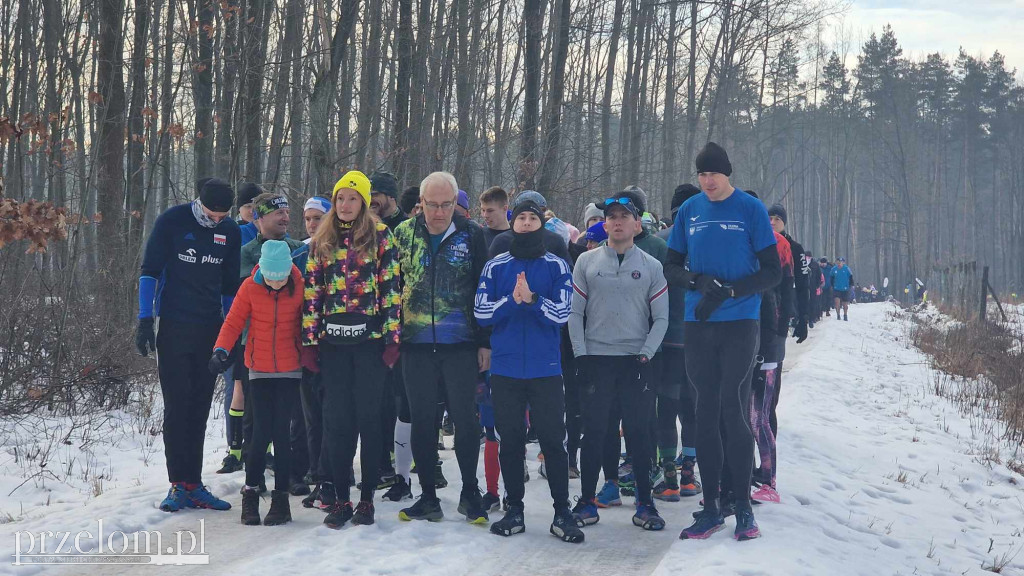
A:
766, 493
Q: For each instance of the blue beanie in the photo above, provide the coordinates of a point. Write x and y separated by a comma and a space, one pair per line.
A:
275, 260
596, 233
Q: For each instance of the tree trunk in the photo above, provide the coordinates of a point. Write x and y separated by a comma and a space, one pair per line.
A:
290, 51
324, 92
202, 89
550, 168
136, 129
533, 20
606, 103
402, 86
110, 153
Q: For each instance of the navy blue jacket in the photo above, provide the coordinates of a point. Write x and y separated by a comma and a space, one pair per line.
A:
525, 341
193, 267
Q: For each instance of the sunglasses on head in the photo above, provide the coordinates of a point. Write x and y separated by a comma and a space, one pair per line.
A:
612, 201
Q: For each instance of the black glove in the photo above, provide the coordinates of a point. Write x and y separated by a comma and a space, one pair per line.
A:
800, 332
708, 304
709, 285
145, 338
218, 362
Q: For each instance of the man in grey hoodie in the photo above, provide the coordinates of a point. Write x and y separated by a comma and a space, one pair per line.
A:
621, 293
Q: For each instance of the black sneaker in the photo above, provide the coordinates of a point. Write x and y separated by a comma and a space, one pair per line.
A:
471, 506
310, 479
328, 495
338, 514
512, 523
363, 514
564, 527
447, 427
574, 471
425, 508
399, 491
250, 507
490, 502
311, 501
439, 480
230, 464
387, 480
298, 488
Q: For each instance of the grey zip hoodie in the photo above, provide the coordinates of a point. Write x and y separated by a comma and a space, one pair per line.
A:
625, 305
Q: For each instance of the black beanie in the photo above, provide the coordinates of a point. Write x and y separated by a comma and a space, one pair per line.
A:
247, 191
713, 158
683, 193
216, 195
528, 206
778, 210
384, 183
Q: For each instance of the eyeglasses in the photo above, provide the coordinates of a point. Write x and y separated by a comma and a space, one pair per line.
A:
443, 207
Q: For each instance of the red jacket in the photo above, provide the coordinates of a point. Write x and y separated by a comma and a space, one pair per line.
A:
275, 324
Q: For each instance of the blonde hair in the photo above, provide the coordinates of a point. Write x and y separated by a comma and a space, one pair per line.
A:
329, 234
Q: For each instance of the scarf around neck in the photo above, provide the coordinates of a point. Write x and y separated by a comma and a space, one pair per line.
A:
528, 245
200, 215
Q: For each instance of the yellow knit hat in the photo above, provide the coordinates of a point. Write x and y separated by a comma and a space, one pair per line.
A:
354, 180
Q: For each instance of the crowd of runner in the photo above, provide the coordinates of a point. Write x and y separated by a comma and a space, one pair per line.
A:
400, 318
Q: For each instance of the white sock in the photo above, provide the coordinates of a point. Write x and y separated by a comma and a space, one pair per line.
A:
403, 449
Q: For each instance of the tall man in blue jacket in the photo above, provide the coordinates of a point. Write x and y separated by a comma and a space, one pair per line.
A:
526, 295
189, 277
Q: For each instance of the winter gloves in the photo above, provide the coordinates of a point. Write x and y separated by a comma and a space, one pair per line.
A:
708, 304
218, 362
145, 337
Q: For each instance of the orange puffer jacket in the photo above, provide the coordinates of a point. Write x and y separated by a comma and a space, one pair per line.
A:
275, 324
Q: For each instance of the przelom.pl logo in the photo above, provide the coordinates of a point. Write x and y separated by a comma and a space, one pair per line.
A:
114, 547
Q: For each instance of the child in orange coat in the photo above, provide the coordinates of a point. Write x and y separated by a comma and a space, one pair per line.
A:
270, 301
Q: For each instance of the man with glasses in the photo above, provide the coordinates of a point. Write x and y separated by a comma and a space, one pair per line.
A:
618, 320
442, 255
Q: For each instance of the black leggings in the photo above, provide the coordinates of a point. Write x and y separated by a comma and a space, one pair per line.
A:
719, 359
273, 402
353, 380
312, 394
612, 378
675, 400
544, 396
183, 352
426, 373
573, 419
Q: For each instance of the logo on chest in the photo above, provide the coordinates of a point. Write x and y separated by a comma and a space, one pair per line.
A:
460, 250
189, 256
635, 274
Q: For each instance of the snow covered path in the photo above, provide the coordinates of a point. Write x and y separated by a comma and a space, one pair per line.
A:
876, 474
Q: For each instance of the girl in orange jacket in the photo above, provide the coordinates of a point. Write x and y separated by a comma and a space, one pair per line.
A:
270, 301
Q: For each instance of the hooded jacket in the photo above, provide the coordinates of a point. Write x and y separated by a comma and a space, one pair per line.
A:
272, 344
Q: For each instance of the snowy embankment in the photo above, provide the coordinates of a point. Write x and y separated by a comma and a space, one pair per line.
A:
877, 476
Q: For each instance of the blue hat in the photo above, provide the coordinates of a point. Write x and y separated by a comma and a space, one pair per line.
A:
275, 260
463, 199
318, 203
596, 233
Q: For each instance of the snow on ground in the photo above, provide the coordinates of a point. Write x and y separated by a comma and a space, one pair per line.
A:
878, 476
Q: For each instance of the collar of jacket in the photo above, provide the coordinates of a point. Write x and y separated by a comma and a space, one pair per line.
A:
458, 223
611, 253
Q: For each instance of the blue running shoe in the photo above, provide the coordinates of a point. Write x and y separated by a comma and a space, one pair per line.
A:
177, 498
708, 521
201, 498
585, 513
647, 517
746, 526
609, 495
